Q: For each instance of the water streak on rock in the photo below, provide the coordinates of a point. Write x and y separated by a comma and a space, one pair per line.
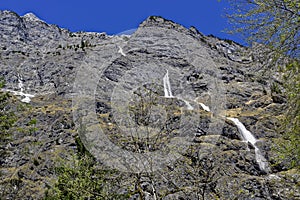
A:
205, 107
249, 137
167, 86
121, 51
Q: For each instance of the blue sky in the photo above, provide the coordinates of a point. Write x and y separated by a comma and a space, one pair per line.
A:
114, 16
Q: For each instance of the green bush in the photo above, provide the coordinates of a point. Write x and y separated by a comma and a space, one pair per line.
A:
82, 178
288, 145
7, 119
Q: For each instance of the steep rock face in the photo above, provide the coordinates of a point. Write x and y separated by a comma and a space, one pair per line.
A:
225, 76
32, 51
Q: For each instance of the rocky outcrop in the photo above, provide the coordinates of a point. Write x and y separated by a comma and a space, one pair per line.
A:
126, 72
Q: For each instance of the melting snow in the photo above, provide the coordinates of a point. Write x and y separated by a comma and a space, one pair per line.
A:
26, 98
32, 17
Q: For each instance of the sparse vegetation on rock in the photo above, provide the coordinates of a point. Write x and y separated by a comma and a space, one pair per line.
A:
45, 158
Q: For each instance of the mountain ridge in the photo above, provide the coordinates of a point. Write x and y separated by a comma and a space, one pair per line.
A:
45, 60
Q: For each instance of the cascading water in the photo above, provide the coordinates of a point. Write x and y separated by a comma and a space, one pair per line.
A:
168, 94
189, 106
245, 134
206, 108
248, 137
121, 51
168, 91
167, 86
20, 83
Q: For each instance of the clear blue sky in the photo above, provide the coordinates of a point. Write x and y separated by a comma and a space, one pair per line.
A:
114, 16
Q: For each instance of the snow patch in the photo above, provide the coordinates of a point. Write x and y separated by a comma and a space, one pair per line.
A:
32, 17
26, 97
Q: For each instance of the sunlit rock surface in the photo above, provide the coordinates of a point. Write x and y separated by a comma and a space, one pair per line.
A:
218, 165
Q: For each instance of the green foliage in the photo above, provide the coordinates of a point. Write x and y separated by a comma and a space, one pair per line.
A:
7, 119
2, 83
289, 144
81, 150
81, 178
275, 88
32, 121
78, 180
275, 23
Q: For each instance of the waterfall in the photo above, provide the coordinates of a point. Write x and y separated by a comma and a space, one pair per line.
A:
168, 94
206, 108
248, 137
261, 160
121, 51
203, 106
20, 83
168, 91
167, 86
189, 106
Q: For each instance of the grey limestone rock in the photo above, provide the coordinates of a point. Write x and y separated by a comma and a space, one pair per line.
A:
225, 76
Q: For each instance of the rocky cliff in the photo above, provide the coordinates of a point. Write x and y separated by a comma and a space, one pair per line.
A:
157, 106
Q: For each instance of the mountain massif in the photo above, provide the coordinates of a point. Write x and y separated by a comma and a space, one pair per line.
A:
166, 113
